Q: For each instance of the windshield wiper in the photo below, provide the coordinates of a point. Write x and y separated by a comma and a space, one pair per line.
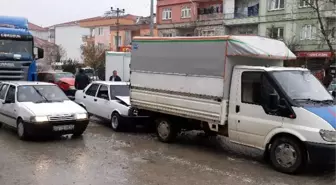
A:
313, 100
38, 92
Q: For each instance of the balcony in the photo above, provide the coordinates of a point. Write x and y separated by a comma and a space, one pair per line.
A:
210, 19
239, 19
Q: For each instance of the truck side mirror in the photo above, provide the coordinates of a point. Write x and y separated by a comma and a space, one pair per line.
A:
38, 53
273, 102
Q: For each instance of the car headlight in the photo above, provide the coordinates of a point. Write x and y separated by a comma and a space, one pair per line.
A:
39, 119
328, 135
81, 116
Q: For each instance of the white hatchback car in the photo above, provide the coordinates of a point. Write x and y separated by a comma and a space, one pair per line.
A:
39, 108
109, 101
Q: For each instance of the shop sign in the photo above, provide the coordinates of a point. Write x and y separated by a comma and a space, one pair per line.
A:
314, 54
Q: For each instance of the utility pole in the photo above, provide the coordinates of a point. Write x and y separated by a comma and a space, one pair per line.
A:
152, 18
118, 12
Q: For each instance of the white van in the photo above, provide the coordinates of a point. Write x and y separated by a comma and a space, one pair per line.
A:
235, 86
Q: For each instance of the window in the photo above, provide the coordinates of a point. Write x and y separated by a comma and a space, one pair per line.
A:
103, 92
3, 90
276, 4
276, 33
308, 32
208, 33
115, 41
186, 12
307, 3
100, 31
166, 14
167, 35
251, 87
11, 94
100, 45
91, 91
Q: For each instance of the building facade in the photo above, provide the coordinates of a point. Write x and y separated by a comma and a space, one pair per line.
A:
189, 17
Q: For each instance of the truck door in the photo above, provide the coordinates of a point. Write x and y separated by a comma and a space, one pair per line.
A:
254, 117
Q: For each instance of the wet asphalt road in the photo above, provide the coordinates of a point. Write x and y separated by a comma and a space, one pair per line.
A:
102, 157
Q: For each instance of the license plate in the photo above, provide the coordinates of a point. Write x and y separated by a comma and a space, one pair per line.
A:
63, 127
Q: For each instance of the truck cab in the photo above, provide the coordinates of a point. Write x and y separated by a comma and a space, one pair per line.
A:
17, 52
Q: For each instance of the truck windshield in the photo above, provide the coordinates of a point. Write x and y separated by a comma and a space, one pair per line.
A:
301, 85
46, 93
16, 47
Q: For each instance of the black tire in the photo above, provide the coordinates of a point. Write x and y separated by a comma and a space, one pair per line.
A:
170, 129
296, 155
115, 122
21, 130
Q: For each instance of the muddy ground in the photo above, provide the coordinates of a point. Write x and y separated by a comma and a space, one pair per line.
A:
102, 157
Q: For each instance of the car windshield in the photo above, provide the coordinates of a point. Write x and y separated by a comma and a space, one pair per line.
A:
119, 90
40, 93
16, 47
301, 85
58, 76
332, 86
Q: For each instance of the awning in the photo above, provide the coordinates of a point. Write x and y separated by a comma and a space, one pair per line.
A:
314, 54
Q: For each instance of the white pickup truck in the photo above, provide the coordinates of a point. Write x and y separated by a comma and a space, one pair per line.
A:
235, 86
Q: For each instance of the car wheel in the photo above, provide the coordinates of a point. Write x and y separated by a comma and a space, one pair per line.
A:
21, 130
165, 130
115, 122
287, 155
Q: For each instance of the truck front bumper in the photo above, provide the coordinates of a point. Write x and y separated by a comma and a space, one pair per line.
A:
321, 153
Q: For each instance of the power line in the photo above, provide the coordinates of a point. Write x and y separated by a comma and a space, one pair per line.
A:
118, 12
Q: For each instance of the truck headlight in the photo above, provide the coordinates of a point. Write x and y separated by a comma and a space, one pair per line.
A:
81, 116
39, 119
328, 135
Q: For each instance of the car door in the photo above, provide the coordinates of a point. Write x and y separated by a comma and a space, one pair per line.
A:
102, 102
3, 91
254, 118
89, 96
9, 107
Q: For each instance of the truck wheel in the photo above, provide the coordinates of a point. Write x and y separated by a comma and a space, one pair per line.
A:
115, 122
166, 131
287, 155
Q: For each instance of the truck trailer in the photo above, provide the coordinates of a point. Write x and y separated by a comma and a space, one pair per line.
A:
17, 52
237, 87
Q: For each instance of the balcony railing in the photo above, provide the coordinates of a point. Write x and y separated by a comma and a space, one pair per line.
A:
207, 17
239, 15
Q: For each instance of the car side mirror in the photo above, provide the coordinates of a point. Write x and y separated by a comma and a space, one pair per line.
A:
38, 53
273, 102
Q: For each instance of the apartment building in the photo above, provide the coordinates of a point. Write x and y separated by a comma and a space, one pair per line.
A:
189, 17
99, 28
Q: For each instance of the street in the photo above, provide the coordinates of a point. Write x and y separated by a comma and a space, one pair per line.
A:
102, 156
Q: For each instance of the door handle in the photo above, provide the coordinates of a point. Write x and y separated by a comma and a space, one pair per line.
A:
84, 96
94, 99
237, 108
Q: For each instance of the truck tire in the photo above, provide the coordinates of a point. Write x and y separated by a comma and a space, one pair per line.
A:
287, 155
165, 130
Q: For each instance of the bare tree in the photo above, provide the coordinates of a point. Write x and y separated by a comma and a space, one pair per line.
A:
60, 54
94, 56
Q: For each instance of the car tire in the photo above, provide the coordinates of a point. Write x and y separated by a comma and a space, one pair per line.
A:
21, 130
287, 155
165, 130
115, 122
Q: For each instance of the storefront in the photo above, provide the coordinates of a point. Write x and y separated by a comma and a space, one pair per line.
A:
315, 61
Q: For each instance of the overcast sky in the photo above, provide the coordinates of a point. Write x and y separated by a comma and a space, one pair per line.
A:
50, 12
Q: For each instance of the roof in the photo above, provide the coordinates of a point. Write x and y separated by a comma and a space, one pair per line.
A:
43, 43
247, 46
18, 83
111, 83
76, 22
35, 27
17, 22
14, 31
127, 16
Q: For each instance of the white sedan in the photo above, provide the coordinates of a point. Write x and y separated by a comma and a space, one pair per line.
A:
109, 101
39, 108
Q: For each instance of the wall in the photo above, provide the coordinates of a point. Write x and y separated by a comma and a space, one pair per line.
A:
176, 13
40, 34
146, 32
70, 38
102, 39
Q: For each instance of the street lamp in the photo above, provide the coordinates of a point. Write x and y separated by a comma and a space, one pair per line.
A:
118, 12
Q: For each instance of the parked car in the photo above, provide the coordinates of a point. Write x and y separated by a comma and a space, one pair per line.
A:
39, 108
109, 101
65, 80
